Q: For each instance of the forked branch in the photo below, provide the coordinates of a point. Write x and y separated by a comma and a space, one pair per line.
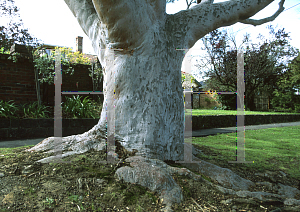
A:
208, 16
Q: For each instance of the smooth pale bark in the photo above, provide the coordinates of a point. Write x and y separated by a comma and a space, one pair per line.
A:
146, 65
148, 100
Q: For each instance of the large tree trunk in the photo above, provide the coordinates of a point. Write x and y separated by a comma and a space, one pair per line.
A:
149, 115
136, 43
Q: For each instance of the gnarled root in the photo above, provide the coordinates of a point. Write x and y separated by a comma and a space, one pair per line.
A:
95, 139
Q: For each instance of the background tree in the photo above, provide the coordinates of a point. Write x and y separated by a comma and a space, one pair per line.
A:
13, 31
265, 62
294, 67
285, 98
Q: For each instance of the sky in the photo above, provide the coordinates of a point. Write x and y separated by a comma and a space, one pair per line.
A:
54, 24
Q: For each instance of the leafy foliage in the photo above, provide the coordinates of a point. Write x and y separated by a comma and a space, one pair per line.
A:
96, 73
7, 109
228, 101
76, 108
14, 31
284, 95
295, 71
35, 111
265, 62
3, 51
46, 63
73, 108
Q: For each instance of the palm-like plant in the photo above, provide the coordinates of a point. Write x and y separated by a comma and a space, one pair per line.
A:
7, 109
76, 108
35, 111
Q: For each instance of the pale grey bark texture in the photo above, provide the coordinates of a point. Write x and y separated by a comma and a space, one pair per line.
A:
149, 108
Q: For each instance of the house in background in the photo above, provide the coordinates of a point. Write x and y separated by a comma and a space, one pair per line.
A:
18, 81
203, 100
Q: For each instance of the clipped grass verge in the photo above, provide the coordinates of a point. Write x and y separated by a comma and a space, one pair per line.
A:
273, 149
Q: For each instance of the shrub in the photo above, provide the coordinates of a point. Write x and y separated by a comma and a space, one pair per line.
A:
76, 108
73, 108
208, 100
7, 109
34, 111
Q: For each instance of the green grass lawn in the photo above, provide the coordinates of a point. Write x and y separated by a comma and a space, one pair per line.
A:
226, 112
273, 149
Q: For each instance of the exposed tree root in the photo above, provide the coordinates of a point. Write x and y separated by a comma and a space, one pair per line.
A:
95, 139
156, 174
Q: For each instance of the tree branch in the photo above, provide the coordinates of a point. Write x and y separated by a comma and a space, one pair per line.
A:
204, 17
265, 20
206, 2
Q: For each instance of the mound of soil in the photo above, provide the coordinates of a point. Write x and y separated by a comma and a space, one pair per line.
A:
86, 183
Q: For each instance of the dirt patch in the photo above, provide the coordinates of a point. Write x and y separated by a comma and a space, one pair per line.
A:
86, 184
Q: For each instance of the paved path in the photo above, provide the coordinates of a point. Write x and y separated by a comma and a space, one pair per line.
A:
197, 133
